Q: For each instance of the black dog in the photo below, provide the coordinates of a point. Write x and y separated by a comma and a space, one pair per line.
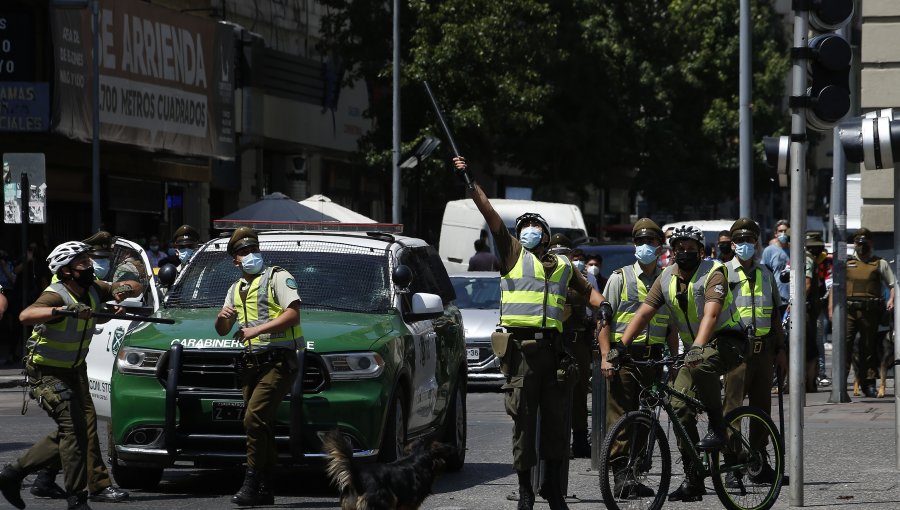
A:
401, 485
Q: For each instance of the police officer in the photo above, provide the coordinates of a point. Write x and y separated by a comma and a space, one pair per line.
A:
533, 289
186, 241
130, 267
627, 287
266, 305
57, 373
698, 302
757, 301
577, 329
866, 273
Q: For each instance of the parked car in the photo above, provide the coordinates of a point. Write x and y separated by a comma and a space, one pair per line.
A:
478, 298
384, 362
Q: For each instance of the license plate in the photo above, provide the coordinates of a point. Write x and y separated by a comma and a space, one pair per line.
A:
228, 411
473, 354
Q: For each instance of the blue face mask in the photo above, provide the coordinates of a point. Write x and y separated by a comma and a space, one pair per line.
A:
745, 251
579, 265
101, 267
530, 237
783, 238
645, 253
252, 263
185, 254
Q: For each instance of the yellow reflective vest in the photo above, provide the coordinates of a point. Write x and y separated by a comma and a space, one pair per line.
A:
261, 307
63, 344
632, 297
531, 299
754, 305
689, 324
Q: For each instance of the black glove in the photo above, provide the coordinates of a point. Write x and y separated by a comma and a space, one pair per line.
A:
78, 307
606, 314
693, 356
616, 354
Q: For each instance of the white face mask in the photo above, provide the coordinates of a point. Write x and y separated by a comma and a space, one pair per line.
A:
594, 270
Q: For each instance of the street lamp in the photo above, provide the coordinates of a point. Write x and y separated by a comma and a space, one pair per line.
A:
428, 145
95, 101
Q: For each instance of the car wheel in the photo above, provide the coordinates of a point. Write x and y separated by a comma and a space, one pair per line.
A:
394, 438
455, 428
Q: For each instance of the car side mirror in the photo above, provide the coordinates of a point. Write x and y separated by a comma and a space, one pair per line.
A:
425, 306
167, 274
402, 276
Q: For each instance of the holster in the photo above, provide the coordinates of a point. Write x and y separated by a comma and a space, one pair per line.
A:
500, 342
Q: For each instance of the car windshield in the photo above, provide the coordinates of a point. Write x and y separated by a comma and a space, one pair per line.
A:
330, 276
481, 293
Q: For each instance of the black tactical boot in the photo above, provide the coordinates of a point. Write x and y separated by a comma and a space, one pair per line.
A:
526, 494
715, 438
266, 492
111, 494
250, 493
45, 485
581, 446
691, 489
11, 485
552, 489
78, 501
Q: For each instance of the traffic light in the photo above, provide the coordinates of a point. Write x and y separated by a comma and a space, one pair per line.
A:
777, 152
829, 56
873, 140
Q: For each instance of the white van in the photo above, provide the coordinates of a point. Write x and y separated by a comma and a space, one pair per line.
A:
463, 224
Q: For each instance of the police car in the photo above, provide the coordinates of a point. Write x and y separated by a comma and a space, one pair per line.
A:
385, 358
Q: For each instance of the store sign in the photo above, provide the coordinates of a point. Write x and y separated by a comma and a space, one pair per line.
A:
24, 106
166, 78
16, 46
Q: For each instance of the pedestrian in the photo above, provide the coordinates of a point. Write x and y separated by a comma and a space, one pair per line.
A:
593, 263
8, 337
866, 274
483, 260
757, 300
266, 304
57, 373
533, 292
578, 341
698, 302
627, 288
666, 259
814, 290
777, 258
724, 251
154, 254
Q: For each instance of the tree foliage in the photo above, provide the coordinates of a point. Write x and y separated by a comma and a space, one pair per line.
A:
573, 91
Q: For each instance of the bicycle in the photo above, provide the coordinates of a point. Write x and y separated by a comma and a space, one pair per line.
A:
740, 475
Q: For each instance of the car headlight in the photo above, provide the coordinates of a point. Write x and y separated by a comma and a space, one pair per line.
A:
134, 360
354, 365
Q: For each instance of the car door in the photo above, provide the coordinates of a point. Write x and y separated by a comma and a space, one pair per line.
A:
110, 336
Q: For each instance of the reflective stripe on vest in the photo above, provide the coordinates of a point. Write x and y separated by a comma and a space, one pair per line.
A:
754, 306
528, 299
632, 297
262, 307
65, 343
696, 300
863, 278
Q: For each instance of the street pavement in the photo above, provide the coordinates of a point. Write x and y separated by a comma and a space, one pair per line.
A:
849, 454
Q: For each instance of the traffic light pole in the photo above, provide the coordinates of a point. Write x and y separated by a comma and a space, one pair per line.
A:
798, 259
745, 118
839, 274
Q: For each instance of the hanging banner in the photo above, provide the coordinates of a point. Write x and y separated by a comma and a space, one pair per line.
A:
166, 78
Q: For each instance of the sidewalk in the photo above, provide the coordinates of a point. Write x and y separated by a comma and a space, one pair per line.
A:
11, 376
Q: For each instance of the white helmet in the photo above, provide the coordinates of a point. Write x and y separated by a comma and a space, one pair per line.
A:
65, 253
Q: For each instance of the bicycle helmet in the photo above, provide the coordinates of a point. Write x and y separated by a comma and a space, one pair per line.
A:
521, 220
688, 232
65, 253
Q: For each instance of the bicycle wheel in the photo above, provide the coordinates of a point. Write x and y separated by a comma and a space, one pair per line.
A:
639, 477
748, 473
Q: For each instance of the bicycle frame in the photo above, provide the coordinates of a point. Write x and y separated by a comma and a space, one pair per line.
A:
662, 393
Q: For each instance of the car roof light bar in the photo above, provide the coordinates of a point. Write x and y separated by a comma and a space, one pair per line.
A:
310, 226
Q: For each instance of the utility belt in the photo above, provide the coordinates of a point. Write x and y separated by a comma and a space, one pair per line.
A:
760, 344
864, 303
254, 360
644, 351
538, 337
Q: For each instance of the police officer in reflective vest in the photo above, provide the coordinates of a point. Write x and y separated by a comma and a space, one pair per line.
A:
266, 305
696, 298
56, 370
626, 290
533, 287
866, 273
757, 301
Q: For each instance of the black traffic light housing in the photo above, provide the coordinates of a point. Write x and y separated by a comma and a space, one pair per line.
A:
873, 140
777, 152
